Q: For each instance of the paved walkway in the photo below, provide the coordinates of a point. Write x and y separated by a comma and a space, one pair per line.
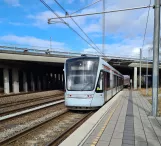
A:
128, 123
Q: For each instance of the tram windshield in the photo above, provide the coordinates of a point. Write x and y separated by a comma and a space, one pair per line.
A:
81, 73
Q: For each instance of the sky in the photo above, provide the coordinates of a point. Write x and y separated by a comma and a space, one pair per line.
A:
24, 23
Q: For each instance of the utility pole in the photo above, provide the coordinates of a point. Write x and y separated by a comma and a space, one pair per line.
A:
156, 39
140, 69
103, 28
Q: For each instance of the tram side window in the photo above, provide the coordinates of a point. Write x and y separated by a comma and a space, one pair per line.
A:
99, 87
108, 81
118, 81
115, 79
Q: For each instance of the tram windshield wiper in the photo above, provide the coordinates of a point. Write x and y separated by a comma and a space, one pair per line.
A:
85, 86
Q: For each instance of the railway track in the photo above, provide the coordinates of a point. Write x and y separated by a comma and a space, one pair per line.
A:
21, 93
27, 101
30, 110
10, 108
68, 131
49, 132
10, 126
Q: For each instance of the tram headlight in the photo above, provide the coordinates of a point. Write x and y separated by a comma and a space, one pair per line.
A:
90, 96
80, 96
69, 95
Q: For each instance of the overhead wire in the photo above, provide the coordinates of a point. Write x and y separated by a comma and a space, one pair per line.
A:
97, 13
85, 7
111, 11
77, 25
146, 26
67, 24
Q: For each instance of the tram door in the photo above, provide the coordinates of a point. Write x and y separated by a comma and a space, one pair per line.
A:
105, 85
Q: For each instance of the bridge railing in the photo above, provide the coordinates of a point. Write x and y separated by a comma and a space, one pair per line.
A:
47, 51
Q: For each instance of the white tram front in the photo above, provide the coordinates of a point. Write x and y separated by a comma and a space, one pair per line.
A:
90, 82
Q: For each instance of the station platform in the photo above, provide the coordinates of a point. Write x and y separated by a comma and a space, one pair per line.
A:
123, 121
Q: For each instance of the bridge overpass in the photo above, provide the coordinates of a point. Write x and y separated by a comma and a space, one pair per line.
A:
16, 53
25, 69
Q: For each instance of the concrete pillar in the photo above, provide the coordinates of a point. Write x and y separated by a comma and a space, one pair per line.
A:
15, 80
58, 80
32, 82
44, 82
25, 85
47, 81
54, 80
135, 77
62, 81
38, 83
6, 81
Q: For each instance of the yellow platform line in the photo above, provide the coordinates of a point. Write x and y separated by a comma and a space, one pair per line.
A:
95, 141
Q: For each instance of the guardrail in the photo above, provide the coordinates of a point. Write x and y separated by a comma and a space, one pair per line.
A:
60, 53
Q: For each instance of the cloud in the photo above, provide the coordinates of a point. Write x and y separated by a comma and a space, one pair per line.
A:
123, 22
14, 3
125, 48
32, 41
120, 22
18, 24
127, 27
40, 20
92, 28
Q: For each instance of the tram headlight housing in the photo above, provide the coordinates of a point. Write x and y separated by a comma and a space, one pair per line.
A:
90, 96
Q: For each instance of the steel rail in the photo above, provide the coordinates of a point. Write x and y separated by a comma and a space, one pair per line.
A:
27, 101
68, 131
21, 134
27, 111
15, 94
6, 113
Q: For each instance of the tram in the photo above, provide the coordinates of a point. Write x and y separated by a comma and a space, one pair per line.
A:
90, 82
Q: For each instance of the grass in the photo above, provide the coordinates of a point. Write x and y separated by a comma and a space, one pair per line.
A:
143, 92
159, 105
